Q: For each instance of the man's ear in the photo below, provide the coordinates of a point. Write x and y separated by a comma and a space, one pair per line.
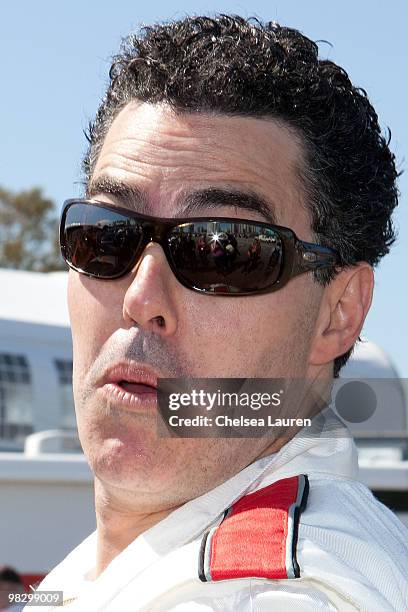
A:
343, 309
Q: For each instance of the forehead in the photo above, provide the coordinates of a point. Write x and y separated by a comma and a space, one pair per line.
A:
167, 156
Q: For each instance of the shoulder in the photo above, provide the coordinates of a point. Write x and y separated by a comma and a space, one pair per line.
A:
331, 538
349, 538
349, 508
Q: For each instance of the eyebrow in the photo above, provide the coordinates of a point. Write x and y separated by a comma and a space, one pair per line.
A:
129, 196
191, 202
214, 198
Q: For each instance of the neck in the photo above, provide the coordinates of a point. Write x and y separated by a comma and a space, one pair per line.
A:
118, 524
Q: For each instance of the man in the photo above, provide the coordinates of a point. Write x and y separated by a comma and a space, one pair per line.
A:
217, 126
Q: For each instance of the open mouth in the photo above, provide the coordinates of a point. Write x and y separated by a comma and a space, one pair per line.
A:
131, 384
135, 396
138, 388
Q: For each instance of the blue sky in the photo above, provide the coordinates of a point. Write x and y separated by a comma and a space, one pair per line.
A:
54, 66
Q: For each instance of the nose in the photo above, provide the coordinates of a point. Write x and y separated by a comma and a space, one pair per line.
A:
151, 298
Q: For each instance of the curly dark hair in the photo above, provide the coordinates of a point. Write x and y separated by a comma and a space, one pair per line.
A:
238, 66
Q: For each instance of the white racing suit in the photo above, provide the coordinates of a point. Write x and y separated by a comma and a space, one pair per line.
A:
294, 531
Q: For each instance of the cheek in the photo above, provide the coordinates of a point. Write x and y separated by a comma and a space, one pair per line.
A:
260, 336
233, 337
91, 320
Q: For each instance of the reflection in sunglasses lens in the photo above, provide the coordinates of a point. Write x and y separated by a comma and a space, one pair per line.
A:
100, 241
226, 257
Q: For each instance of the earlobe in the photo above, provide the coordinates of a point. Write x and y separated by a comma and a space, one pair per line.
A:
344, 307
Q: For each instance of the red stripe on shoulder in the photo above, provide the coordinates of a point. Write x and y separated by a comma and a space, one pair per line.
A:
258, 536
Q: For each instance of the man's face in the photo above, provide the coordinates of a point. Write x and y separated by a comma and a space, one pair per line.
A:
148, 317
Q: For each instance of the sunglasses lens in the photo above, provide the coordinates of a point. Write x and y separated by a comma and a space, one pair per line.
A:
226, 257
99, 241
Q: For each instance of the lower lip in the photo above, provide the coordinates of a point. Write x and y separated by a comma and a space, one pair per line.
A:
135, 400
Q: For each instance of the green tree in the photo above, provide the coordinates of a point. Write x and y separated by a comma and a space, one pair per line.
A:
29, 232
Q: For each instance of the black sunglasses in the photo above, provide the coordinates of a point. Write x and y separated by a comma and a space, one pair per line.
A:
215, 255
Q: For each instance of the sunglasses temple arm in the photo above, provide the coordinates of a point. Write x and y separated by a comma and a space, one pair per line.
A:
309, 256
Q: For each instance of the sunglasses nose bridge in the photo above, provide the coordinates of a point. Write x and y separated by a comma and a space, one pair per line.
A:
152, 232
155, 232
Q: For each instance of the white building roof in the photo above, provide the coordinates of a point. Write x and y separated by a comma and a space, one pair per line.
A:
34, 297
369, 361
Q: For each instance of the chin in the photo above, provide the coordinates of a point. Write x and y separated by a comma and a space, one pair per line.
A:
141, 477
116, 452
